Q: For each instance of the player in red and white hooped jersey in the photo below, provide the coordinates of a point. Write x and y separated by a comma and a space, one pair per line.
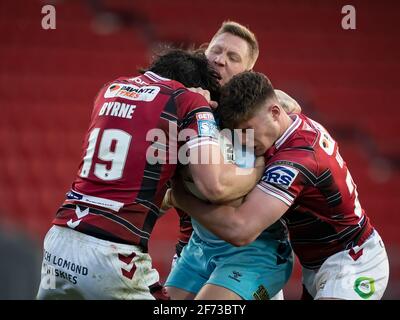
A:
141, 129
307, 183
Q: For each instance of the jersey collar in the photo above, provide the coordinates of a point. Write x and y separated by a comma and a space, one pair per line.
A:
289, 131
154, 76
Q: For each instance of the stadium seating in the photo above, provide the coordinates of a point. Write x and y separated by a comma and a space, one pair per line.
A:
48, 81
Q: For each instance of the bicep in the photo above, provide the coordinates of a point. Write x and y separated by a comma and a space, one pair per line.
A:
205, 166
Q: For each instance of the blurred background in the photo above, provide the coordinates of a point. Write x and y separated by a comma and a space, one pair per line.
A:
346, 79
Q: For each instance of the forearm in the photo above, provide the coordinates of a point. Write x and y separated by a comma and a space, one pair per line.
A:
222, 183
238, 226
221, 220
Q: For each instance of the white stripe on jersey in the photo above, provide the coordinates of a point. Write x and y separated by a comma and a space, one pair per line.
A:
102, 202
275, 192
201, 141
155, 77
293, 127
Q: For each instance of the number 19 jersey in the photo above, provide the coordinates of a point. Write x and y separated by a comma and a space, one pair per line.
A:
138, 127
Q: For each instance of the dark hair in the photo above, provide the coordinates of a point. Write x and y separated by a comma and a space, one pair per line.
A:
242, 96
191, 68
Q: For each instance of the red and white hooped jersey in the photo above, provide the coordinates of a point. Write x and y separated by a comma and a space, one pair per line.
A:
305, 170
120, 184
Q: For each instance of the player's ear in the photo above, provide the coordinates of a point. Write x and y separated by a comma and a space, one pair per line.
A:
276, 111
250, 64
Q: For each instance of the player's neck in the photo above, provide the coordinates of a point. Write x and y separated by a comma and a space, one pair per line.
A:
286, 122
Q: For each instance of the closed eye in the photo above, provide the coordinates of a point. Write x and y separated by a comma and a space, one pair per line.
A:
216, 50
234, 57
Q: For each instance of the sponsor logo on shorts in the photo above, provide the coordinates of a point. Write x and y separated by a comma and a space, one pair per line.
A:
261, 293
280, 175
58, 267
364, 287
322, 284
235, 276
127, 270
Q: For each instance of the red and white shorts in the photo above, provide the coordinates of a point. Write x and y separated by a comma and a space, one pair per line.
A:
361, 273
79, 266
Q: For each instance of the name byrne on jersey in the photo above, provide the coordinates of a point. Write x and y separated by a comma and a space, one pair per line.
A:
117, 109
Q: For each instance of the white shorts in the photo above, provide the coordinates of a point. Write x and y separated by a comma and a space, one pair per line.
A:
361, 273
78, 266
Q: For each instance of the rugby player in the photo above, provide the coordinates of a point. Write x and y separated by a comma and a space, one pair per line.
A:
308, 184
141, 128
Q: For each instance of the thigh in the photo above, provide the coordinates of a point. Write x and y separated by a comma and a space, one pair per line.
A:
255, 272
360, 273
179, 294
190, 272
214, 292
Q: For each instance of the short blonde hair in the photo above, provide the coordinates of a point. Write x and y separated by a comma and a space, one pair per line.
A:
288, 104
241, 31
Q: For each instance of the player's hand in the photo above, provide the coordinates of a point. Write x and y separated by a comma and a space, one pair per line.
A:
166, 203
206, 95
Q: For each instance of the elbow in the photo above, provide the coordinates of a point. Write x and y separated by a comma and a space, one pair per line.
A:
238, 234
215, 193
241, 241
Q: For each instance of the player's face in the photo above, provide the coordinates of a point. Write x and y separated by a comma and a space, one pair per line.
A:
229, 54
266, 130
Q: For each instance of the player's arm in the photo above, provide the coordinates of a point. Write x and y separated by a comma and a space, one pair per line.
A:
219, 181
238, 226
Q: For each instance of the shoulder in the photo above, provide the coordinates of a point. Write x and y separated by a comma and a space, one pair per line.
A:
191, 102
290, 163
299, 146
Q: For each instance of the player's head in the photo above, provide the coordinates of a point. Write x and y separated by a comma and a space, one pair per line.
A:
192, 69
233, 49
288, 104
248, 101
